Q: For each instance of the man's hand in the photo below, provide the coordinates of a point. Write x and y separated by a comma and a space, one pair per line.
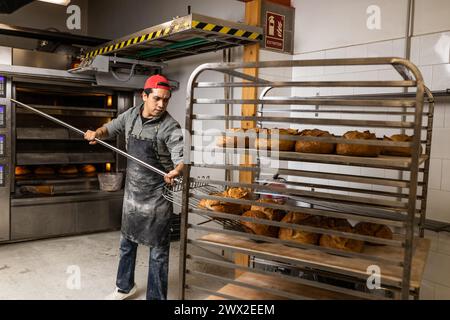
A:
90, 136
170, 177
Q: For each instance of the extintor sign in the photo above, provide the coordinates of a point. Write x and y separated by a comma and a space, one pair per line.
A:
275, 25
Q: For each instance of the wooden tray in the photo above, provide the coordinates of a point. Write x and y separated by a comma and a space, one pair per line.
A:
390, 274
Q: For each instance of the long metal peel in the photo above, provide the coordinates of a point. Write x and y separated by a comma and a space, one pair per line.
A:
103, 143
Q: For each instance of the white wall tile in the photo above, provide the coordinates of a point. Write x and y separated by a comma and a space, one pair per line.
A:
440, 145
427, 74
427, 290
435, 176
438, 205
398, 48
439, 116
307, 71
380, 49
437, 267
435, 48
442, 292
447, 115
444, 243
339, 53
415, 50
441, 77
445, 186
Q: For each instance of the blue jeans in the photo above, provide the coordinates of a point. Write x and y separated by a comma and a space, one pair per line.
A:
158, 269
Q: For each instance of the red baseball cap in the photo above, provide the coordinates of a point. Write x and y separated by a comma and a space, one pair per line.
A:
157, 81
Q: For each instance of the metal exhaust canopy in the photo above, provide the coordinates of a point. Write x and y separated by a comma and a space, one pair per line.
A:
189, 35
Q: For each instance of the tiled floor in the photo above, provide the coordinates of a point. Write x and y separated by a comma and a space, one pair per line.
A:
49, 269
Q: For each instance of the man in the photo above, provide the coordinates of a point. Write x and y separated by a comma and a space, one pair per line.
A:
153, 136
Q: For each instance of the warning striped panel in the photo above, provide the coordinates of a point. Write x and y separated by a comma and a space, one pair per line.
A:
226, 30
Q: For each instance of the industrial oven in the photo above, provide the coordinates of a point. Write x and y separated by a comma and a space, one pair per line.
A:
48, 174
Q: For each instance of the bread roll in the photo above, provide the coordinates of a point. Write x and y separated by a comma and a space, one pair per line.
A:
272, 214
304, 237
257, 228
374, 230
315, 146
336, 242
269, 139
358, 150
21, 171
398, 151
230, 141
88, 170
44, 171
221, 205
68, 170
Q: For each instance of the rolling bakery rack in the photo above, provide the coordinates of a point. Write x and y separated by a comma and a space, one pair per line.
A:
337, 186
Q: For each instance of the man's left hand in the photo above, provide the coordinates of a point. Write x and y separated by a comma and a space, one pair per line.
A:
169, 178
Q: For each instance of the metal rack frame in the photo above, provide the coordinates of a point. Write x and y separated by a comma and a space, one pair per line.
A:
402, 258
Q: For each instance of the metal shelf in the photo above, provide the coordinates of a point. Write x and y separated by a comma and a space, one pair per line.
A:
330, 192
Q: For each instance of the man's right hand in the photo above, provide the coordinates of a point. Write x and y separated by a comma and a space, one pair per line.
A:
90, 136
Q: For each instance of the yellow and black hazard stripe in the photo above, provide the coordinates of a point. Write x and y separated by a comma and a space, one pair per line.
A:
226, 30
136, 40
254, 36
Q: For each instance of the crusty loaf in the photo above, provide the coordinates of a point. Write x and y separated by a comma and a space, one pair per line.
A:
43, 170
257, 228
315, 146
341, 243
300, 236
272, 214
358, 150
398, 151
373, 230
231, 141
269, 139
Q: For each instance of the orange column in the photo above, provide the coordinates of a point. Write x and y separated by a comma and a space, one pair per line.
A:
251, 54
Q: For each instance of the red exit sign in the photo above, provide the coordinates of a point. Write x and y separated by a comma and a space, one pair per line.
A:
275, 30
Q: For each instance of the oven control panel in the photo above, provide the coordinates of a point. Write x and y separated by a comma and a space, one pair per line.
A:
2, 87
2, 175
2, 145
2, 116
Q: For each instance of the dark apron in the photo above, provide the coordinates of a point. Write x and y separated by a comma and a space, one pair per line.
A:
146, 213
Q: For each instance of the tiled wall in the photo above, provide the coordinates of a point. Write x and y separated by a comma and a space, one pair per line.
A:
431, 53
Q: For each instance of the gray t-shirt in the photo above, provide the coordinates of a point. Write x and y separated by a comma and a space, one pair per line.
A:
167, 130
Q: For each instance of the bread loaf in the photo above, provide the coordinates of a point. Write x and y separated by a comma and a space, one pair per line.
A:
44, 171
398, 151
269, 139
231, 141
21, 171
358, 150
272, 214
373, 230
68, 170
335, 242
300, 218
257, 228
315, 146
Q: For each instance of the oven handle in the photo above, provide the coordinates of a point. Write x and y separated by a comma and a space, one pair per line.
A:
107, 145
